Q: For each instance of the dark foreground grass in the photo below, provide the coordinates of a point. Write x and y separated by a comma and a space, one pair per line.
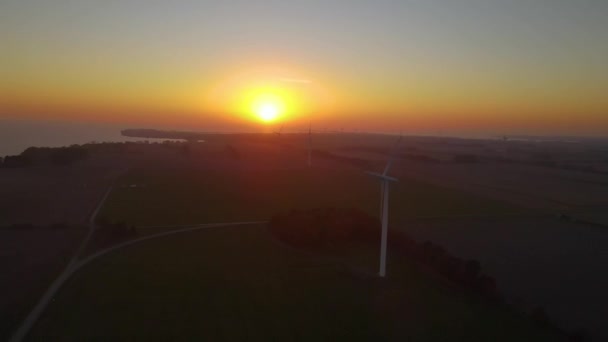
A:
173, 196
237, 284
30, 259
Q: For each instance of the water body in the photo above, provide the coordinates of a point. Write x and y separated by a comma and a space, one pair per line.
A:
17, 135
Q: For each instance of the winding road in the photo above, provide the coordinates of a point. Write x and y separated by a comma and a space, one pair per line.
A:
76, 263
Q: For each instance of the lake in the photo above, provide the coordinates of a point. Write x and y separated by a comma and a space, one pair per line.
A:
17, 135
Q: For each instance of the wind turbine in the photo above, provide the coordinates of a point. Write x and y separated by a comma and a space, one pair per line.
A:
278, 133
385, 180
309, 145
279, 141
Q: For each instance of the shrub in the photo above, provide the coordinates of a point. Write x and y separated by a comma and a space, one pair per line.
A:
579, 336
321, 226
472, 269
540, 317
325, 226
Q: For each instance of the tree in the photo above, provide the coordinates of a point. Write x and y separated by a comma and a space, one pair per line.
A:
472, 269
68, 155
578, 336
540, 317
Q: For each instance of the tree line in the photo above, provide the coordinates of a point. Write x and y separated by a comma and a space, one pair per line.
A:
46, 155
320, 228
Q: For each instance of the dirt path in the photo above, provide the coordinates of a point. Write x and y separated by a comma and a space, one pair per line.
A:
75, 265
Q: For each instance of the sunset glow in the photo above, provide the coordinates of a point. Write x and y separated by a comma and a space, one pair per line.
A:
404, 71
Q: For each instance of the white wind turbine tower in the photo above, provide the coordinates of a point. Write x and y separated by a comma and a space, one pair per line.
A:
384, 187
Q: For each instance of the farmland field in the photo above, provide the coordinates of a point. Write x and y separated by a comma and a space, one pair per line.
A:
470, 209
236, 283
540, 262
29, 260
173, 196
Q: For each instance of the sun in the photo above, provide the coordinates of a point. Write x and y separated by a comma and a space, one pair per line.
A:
268, 107
268, 111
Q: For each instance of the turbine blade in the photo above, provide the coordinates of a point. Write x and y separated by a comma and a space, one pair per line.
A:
381, 200
392, 156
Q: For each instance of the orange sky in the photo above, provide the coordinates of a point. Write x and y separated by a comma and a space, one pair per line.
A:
168, 66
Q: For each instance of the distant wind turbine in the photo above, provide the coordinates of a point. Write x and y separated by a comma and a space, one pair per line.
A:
384, 187
279, 141
280, 130
309, 145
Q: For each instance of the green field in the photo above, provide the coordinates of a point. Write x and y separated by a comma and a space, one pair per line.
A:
236, 283
173, 196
